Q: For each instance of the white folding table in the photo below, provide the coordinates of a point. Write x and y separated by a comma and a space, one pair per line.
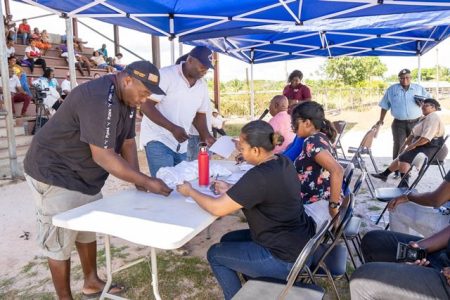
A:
142, 218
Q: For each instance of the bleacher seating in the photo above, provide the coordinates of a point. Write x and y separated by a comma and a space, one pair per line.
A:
24, 125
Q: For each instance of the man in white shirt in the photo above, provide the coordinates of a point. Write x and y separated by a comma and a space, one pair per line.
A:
17, 93
66, 86
167, 119
217, 124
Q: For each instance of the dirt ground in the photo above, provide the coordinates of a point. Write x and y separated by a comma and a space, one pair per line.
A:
17, 223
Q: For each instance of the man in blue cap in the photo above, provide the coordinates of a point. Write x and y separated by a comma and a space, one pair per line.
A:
399, 99
167, 119
70, 158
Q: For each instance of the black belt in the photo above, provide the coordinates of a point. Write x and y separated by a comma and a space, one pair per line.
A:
407, 121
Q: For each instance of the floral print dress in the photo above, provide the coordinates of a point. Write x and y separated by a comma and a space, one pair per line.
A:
314, 180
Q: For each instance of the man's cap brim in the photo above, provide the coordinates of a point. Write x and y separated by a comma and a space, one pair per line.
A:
154, 88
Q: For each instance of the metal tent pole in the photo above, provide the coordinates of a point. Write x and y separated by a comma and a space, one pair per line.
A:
252, 94
8, 103
419, 69
437, 73
71, 52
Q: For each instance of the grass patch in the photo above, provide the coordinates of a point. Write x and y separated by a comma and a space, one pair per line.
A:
27, 268
180, 277
115, 253
233, 129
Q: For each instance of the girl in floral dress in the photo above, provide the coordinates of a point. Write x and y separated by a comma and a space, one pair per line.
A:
319, 173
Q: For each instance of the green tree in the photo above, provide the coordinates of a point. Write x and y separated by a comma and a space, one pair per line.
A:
354, 70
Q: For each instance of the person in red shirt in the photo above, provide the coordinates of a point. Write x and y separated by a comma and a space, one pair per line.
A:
295, 91
24, 31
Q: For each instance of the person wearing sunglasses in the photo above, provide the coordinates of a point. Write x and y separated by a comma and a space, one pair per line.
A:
399, 99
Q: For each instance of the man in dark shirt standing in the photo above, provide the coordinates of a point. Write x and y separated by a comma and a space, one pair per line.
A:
70, 158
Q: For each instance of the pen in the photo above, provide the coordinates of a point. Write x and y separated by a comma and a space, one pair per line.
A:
178, 147
212, 187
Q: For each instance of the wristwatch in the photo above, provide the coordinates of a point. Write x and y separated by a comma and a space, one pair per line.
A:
334, 204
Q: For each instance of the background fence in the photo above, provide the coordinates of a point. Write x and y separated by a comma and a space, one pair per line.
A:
238, 103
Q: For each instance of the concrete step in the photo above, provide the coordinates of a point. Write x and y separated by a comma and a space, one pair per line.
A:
20, 152
20, 50
18, 130
21, 141
5, 171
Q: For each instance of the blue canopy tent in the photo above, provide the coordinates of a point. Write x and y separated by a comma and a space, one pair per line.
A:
175, 18
274, 43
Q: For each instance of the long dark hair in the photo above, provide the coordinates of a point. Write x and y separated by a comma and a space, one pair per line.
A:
313, 111
260, 134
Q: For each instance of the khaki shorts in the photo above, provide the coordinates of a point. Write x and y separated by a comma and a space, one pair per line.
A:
56, 242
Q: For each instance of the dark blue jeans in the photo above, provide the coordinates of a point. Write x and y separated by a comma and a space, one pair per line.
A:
159, 155
237, 253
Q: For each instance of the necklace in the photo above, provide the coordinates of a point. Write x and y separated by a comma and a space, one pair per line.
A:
273, 156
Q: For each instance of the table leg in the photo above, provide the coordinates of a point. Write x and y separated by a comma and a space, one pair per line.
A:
154, 274
108, 267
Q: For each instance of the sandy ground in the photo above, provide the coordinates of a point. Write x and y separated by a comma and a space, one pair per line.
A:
17, 213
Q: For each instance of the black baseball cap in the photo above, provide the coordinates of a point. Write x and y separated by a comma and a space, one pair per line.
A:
434, 102
147, 73
403, 72
204, 55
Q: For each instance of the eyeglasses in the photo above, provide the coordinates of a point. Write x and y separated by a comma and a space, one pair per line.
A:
405, 78
295, 124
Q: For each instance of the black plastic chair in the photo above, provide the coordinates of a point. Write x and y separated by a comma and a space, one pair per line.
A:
276, 289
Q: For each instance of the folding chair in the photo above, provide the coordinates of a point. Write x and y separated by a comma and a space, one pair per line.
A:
340, 127
348, 174
358, 159
330, 258
272, 289
351, 232
438, 157
387, 194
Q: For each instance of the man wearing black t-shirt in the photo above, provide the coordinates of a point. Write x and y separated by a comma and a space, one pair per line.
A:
70, 158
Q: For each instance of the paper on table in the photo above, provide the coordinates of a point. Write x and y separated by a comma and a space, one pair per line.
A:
203, 190
224, 146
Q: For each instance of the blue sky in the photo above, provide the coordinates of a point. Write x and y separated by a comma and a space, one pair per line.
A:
230, 68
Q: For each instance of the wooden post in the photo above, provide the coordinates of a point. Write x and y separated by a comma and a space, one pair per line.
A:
7, 8
75, 27
216, 81
116, 40
156, 51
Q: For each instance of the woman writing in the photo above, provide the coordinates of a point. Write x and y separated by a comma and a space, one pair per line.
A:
319, 173
269, 196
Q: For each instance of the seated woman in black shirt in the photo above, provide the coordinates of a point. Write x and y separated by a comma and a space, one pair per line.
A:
269, 195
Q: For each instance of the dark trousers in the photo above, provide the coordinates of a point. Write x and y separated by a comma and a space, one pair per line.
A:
383, 278
38, 61
401, 129
218, 131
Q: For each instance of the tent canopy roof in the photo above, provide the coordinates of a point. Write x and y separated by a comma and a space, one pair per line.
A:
271, 30
175, 18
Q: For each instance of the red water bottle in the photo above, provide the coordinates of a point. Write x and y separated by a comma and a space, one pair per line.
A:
203, 165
